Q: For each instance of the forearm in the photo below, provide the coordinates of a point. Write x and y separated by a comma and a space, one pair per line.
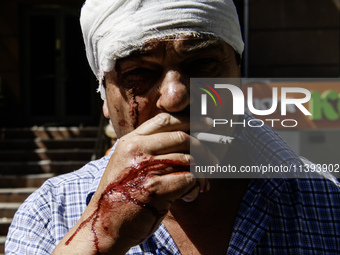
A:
114, 221
91, 236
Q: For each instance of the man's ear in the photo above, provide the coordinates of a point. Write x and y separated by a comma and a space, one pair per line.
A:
106, 109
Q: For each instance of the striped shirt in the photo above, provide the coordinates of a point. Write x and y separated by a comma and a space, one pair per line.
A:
276, 215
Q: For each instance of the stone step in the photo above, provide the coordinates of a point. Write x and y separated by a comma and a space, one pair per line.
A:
30, 156
24, 180
48, 132
15, 195
2, 245
40, 167
39, 143
46, 154
7, 210
4, 225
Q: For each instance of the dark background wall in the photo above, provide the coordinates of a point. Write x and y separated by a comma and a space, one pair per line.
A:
294, 38
45, 78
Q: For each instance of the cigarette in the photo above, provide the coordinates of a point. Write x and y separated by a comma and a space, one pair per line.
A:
212, 138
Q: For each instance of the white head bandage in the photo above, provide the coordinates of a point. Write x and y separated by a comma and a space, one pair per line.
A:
112, 29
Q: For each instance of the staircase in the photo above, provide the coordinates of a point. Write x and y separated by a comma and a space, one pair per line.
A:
29, 156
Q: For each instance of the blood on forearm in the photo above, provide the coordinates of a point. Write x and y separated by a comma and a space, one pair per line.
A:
128, 189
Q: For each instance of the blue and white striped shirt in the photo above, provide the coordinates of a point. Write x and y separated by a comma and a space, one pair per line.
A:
276, 216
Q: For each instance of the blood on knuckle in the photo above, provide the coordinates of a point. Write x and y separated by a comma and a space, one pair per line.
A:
151, 185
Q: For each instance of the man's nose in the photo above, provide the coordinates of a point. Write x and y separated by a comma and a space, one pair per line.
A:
174, 92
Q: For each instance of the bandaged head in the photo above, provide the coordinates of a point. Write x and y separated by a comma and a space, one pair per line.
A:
112, 29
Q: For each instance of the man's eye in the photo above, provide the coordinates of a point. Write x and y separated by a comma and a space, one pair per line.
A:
139, 79
138, 73
204, 67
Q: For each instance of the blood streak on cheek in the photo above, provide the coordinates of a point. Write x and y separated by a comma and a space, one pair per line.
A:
124, 191
135, 112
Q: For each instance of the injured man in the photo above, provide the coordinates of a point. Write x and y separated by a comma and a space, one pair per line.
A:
142, 197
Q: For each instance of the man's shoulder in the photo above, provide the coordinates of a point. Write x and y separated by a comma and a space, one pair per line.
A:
61, 188
54, 208
83, 175
61, 195
321, 190
86, 175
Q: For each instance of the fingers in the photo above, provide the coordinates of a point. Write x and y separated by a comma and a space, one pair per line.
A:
168, 142
166, 133
175, 164
172, 148
165, 189
164, 138
171, 142
165, 122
